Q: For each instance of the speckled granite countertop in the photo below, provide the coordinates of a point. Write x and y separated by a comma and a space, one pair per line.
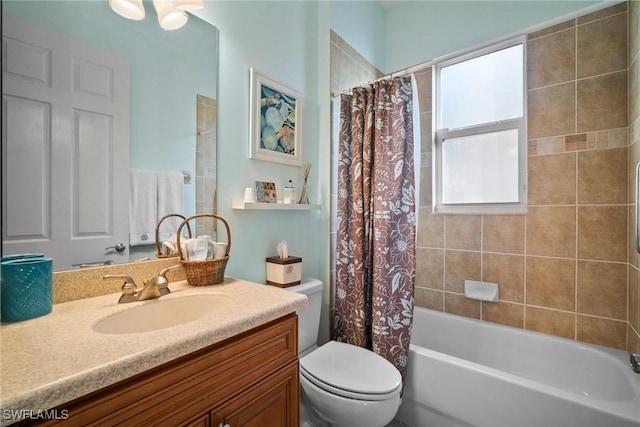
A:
53, 359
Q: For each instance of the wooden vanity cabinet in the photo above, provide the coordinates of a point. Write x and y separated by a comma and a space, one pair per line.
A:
248, 380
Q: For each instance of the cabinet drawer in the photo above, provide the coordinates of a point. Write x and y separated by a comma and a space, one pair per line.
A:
183, 389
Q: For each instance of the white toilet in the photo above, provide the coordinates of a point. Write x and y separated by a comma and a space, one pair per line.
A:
342, 385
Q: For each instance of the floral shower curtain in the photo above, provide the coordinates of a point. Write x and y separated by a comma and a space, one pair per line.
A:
375, 259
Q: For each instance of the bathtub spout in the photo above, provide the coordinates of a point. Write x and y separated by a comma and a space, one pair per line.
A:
635, 362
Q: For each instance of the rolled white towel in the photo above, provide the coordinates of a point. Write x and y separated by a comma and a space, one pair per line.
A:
201, 248
168, 247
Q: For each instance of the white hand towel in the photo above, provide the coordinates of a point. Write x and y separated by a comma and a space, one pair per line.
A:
143, 207
170, 200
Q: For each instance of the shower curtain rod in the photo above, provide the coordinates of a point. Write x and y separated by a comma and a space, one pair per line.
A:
402, 72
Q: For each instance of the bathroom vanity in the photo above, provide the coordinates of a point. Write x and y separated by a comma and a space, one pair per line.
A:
237, 366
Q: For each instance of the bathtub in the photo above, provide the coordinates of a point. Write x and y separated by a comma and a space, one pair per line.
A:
465, 372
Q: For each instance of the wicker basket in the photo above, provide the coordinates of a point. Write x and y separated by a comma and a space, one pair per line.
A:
205, 272
159, 253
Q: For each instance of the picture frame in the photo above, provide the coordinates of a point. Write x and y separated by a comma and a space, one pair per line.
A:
266, 192
275, 121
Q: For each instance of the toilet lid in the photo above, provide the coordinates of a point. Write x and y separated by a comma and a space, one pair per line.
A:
337, 366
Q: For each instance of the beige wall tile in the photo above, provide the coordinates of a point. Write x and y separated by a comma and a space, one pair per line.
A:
597, 330
550, 282
461, 266
504, 313
430, 268
553, 29
551, 111
633, 299
423, 82
552, 180
633, 255
425, 186
430, 229
462, 232
503, 233
634, 90
634, 29
602, 46
347, 70
602, 289
602, 233
458, 304
551, 59
602, 176
425, 132
602, 102
429, 298
551, 322
508, 272
633, 340
551, 231
603, 13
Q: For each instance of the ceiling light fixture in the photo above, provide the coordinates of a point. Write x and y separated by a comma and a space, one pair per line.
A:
131, 9
169, 17
171, 13
188, 5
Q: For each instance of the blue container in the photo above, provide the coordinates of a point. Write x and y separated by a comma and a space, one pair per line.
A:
21, 256
27, 287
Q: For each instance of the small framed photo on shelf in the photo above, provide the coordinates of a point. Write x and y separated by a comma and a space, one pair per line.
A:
275, 121
266, 192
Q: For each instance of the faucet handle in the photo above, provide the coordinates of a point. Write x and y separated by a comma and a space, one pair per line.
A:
163, 273
161, 280
128, 287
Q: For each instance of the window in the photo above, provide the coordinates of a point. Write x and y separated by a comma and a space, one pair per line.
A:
480, 131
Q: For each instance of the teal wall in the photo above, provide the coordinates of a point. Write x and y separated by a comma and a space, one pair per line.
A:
413, 32
418, 31
363, 25
280, 40
163, 73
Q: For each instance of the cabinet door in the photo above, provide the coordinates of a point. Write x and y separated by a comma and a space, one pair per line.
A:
274, 402
202, 421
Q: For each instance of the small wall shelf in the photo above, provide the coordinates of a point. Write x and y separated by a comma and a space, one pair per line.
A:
239, 203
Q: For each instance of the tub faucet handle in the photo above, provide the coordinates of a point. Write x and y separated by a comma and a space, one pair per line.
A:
635, 362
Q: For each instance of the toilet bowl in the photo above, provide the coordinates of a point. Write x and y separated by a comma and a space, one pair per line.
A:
347, 385
342, 385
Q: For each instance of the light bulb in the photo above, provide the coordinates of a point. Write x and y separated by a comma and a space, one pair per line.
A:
188, 4
169, 17
131, 9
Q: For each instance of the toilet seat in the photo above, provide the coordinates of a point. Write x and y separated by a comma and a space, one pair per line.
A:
351, 371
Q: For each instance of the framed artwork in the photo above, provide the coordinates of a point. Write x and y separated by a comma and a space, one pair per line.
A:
276, 110
266, 192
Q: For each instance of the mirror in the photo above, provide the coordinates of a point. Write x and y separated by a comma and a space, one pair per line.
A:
172, 101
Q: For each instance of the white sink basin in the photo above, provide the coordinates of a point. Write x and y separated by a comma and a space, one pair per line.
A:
161, 313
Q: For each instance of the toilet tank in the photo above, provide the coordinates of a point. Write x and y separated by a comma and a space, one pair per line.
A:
309, 315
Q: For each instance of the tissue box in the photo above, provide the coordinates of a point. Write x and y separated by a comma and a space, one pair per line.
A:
284, 272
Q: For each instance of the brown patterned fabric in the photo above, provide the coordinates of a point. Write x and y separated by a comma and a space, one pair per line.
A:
375, 253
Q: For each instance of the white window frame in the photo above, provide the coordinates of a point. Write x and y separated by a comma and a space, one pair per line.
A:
440, 135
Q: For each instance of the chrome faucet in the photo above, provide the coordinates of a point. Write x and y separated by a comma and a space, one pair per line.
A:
153, 288
635, 362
